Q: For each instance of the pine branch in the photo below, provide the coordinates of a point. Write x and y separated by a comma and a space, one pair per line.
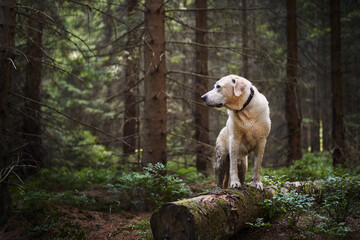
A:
68, 116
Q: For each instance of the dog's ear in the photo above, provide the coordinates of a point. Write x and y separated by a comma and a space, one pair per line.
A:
239, 86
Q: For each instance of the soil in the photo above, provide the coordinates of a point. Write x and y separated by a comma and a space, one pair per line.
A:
90, 225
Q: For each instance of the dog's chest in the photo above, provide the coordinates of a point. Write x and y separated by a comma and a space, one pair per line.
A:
245, 132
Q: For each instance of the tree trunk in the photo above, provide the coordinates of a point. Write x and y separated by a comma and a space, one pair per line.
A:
216, 215
132, 76
154, 119
201, 114
245, 73
338, 130
7, 43
253, 65
34, 151
292, 103
315, 108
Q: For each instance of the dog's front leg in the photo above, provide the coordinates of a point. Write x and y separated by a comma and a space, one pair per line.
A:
259, 151
234, 154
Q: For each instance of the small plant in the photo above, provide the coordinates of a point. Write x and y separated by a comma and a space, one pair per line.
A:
341, 196
329, 227
150, 188
142, 228
259, 223
291, 205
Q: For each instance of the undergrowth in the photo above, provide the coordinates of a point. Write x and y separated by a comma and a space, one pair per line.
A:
326, 210
322, 210
149, 188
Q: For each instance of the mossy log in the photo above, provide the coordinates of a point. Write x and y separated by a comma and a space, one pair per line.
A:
218, 214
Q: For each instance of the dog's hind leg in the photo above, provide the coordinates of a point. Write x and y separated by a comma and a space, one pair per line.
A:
221, 167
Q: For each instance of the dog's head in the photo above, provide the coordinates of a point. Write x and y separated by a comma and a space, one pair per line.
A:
227, 92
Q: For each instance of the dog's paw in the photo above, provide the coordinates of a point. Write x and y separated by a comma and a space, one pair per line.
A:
235, 184
258, 185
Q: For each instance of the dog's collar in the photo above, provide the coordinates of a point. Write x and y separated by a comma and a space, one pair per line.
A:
247, 101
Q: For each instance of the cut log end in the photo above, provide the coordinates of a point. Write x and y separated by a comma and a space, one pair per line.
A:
172, 221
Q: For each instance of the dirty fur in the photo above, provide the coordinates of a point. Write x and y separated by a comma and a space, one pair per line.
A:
246, 130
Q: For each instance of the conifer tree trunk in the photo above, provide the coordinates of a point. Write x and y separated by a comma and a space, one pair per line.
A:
7, 43
292, 103
203, 152
34, 151
154, 118
132, 65
245, 73
338, 130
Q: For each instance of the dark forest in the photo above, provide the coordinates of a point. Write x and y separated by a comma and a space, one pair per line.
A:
102, 121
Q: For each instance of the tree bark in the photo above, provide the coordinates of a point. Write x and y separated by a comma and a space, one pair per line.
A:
34, 151
216, 215
154, 119
7, 43
338, 130
292, 103
201, 113
132, 76
245, 40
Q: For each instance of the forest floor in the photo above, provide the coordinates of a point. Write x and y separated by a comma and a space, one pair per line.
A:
82, 223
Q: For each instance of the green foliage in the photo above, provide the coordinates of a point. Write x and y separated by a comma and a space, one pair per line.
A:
337, 200
330, 228
150, 188
260, 223
276, 180
309, 167
290, 205
142, 228
190, 174
341, 197
63, 178
81, 147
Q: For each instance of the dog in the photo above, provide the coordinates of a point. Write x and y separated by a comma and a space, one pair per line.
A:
246, 130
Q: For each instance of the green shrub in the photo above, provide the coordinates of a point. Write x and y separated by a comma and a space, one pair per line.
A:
80, 149
291, 205
340, 197
149, 188
59, 179
337, 200
330, 228
190, 174
310, 167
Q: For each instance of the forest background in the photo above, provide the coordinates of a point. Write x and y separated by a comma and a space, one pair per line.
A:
99, 88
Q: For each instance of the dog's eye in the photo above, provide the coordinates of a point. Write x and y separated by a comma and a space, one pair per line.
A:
217, 86
233, 80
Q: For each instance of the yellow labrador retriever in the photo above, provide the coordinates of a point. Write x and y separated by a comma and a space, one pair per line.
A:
246, 130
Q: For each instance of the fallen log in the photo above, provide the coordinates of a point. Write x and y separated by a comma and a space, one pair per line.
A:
218, 214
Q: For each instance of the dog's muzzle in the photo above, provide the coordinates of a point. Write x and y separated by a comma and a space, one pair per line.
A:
205, 99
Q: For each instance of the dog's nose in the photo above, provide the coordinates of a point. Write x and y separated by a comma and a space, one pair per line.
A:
204, 97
